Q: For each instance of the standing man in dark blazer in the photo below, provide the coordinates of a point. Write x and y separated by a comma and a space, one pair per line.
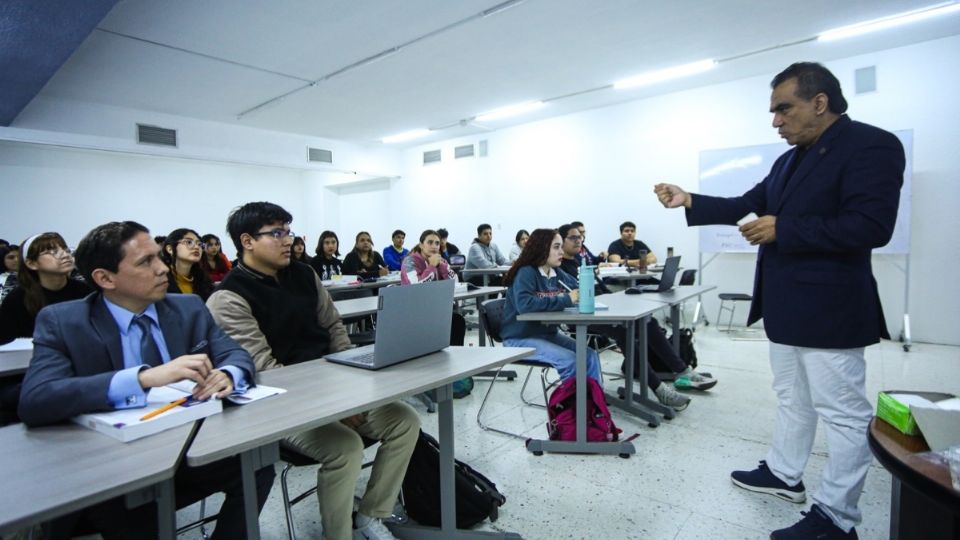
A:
825, 205
108, 350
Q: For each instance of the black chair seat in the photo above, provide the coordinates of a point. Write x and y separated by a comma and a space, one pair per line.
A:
735, 296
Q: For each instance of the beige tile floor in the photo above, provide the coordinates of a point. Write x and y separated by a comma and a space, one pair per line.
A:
677, 485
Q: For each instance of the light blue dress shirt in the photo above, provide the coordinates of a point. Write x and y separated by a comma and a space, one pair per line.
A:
125, 391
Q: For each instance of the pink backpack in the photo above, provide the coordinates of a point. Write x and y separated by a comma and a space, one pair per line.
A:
563, 417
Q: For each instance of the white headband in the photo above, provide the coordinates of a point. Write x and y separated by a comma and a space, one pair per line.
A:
26, 245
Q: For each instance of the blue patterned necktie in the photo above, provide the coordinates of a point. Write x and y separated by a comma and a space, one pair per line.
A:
149, 352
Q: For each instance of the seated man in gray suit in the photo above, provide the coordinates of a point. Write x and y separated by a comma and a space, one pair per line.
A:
108, 350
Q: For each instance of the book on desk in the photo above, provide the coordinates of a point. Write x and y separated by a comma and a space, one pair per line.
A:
127, 425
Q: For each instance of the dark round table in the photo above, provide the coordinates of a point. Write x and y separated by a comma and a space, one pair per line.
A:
923, 503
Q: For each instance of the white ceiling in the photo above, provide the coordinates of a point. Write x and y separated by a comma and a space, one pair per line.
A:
214, 59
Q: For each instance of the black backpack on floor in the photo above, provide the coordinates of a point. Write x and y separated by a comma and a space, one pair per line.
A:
477, 497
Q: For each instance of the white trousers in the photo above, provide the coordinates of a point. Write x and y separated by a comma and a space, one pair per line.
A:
828, 384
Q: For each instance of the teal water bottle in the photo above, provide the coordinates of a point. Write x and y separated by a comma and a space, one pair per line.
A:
586, 287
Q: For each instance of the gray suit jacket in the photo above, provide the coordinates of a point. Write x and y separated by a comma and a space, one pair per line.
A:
77, 351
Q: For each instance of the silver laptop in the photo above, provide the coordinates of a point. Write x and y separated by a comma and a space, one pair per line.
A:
412, 321
667, 279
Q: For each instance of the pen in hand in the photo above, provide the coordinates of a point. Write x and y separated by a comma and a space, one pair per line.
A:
160, 410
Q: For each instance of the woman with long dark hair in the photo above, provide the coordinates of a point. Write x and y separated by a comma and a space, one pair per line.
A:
214, 262
364, 261
43, 279
521, 240
298, 252
536, 284
182, 251
327, 261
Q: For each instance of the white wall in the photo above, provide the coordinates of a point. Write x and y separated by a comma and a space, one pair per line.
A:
68, 166
599, 167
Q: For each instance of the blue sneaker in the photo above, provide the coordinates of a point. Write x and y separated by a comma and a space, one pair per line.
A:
762, 480
816, 524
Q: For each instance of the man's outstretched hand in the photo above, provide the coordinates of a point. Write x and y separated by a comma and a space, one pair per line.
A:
672, 196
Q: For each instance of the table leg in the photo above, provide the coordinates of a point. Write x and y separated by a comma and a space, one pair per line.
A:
581, 445
642, 398
250, 462
448, 500
675, 319
626, 402
915, 516
166, 511
481, 333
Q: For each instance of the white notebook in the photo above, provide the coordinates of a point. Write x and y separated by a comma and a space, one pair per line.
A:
125, 424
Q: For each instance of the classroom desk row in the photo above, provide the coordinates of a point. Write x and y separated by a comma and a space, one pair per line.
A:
58, 469
54, 470
632, 311
367, 305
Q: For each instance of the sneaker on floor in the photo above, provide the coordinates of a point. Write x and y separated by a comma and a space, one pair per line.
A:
373, 530
695, 381
815, 524
671, 398
762, 480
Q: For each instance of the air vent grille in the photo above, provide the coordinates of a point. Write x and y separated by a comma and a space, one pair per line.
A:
431, 156
319, 155
464, 151
156, 135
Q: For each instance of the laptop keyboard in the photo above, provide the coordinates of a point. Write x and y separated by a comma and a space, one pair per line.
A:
365, 358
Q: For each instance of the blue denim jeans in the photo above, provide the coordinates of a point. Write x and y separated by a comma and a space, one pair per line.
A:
559, 350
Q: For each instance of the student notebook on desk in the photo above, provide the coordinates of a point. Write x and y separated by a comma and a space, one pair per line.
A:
128, 424
670, 268
412, 321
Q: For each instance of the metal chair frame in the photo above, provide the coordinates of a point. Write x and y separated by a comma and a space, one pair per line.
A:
492, 328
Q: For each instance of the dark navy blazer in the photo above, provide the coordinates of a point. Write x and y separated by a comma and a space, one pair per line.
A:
77, 351
814, 285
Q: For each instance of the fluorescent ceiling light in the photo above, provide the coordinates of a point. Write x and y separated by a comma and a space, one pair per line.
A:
652, 77
888, 22
512, 110
406, 136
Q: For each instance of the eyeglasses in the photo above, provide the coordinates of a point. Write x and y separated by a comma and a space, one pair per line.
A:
191, 243
575, 238
279, 234
56, 253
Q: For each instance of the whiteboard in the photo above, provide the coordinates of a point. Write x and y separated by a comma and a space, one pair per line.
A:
730, 172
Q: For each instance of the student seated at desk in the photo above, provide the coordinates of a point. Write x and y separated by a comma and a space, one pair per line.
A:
9, 266
327, 263
658, 347
394, 254
44, 279
628, 249
584, 251
282, 315
108, 350
214, 262
535, 285
299, 250
426, 263
446, 248
182, 250
363, 261
484, 254
521, 240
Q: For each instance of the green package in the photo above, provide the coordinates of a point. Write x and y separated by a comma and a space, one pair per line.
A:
896, 414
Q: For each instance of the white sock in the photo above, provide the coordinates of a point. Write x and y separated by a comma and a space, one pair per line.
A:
362, 520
